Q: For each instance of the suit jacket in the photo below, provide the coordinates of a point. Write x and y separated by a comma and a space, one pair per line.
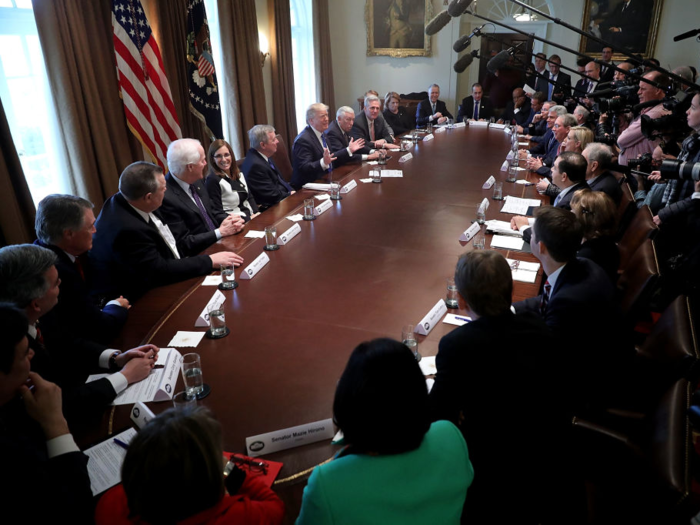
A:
541, 83
521, 117
581, 88
307, 153
537, 130
222, 188
76, 311
562, 90
607, 73
565, 201
400, 122
424, 111
633, 22
338, 141
265, 183
596, 356
607, 183
360, 130
482, 368
541, 143
466, 109
604, 252
130, 256
183, 217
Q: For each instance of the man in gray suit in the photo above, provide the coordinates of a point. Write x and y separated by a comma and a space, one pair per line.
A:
369, 127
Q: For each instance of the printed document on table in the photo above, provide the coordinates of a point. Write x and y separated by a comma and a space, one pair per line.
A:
105, 465
506, 242
502, 227
523, 271
391, 173
517, 205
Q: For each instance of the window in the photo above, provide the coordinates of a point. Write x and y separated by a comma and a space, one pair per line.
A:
303, 57
26, 98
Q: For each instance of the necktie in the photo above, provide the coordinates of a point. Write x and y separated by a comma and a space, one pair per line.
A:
556, 201
433, 106
551, 88
202, 209
165, 233
79, 266
545, 297
371, 130
625, 7
279, 177
476, 111
551, 141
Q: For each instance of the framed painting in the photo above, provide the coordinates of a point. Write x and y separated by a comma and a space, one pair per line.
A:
629, 25
396, 28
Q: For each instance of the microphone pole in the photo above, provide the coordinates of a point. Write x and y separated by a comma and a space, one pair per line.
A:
637, 58
577, 53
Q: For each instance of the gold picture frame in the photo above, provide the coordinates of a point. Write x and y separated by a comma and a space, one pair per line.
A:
604, 18
396, 28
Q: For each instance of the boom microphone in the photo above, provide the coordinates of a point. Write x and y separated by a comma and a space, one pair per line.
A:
458, 7
464, 62
682, 36
437, 23
463, 42
499, 61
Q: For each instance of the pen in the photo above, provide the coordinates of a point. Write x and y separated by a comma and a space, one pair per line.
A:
465, 319
121, 443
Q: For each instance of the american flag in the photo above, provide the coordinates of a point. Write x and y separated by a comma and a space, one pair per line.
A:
144, 89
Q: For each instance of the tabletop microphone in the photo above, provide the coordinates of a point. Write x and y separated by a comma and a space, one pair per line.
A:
458, 7
464, 62
463, 42
438, 22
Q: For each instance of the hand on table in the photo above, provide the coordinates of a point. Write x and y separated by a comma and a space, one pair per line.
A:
518, 221
226, 258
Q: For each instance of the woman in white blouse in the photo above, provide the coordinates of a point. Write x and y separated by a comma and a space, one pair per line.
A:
225, 183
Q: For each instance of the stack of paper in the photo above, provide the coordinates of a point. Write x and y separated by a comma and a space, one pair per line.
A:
524, 271
517, 205
502, 227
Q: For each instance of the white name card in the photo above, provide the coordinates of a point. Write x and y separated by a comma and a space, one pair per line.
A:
523, 143
349, 186
498, 126
141, 414
510, 155
289, 234
216, 300
289, 437
407, 156
470, 232
489, 182
461, 125
325, 205
440, 130
428, 137
484, 206
253, 268
479, 123
429, 321
504, 166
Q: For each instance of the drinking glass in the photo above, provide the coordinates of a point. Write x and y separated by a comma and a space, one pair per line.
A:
451, 299
408, 337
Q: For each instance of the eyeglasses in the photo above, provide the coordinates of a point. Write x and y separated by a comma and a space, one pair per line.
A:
248, 464
222, 156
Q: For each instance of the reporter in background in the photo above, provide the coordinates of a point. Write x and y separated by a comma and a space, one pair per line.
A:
172, 473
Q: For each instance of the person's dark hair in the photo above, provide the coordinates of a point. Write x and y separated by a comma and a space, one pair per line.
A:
139, 179
555, 58
595, 212
574, 165
57, 213
173, 468
559, 231
539, 96
381, 399
22, 272
476, 84
484, 280
541, 55
14, 328
213, 168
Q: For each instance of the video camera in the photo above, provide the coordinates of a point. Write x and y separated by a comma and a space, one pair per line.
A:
673, 127
678, 169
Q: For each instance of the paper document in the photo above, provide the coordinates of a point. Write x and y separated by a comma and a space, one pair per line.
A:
518, 206
506, 242
212, 280
457, 320
524, 182
427, 365
365, 180
527, 89
105, 465
525, 272
391, 173
186, 339
158, 386
316, 186
502, 227
295, 218
322, 196
254, 234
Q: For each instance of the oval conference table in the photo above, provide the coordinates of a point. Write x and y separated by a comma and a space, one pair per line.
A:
375, 261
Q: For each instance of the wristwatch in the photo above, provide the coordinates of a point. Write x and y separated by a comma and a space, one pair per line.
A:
113, 361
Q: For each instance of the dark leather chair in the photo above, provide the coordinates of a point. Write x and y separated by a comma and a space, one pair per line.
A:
282, 159
626, 209
640, 228
637, 281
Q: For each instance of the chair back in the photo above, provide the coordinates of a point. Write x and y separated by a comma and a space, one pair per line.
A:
640, 228
637, 281
282, 160
626, 209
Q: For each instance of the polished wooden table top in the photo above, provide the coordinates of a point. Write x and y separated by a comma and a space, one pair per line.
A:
375, 261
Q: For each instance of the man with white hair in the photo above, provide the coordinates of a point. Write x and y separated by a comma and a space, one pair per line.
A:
186, 208
347, 148
311, 157
371, 126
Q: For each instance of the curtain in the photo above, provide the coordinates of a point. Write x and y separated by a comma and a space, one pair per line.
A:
282, 70
76, 39
16, 205
322, 56
241, 47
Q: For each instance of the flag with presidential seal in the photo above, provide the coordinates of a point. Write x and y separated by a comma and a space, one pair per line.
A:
204, 91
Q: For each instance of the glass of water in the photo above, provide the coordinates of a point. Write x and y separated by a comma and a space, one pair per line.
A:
228, 277
192, 376
498, 191
217, 322
408, 337
480, 215
271, 239
309, 205
479, 241
451, 299
375, 175
335, 191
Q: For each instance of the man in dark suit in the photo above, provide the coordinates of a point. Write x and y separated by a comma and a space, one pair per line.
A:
432, 110
577, 289
65, 224
542, 165
264, 180
133, 250
29, 279
347, 148
599, 158
627, 26
36, 446
186, 208
311, 157
538, 126
475, 107
607, 73
517, 110
520, 350
541, 73
371, 126
559, 84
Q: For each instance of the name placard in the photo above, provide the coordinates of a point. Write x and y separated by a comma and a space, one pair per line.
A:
428, 137
433, 318
289, 234
141, 414
440, 130
504, 166
407, 156
484, 206
470, 232
479, 123
289, 437
325, 205
461, 125
349, 186
253, 268
510, 155
497, 126
216, 300
489, 182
